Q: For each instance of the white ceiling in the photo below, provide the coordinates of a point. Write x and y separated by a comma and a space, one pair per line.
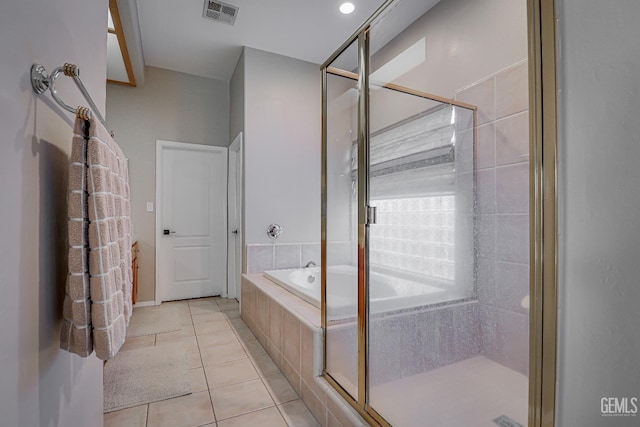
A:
175, 36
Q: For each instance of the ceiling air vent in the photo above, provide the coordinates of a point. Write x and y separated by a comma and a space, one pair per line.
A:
219, 11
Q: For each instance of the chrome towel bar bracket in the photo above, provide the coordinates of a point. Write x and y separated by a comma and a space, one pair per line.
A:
41, 82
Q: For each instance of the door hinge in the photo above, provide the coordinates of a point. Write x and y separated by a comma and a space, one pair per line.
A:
372, 215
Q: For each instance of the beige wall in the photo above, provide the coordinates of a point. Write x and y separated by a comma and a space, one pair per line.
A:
41, 385
599, 229
282, 147
170, 106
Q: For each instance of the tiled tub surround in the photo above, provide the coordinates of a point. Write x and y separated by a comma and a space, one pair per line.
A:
289, 329
502, 180
279, 256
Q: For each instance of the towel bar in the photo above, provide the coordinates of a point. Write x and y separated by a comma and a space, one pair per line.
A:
41, 82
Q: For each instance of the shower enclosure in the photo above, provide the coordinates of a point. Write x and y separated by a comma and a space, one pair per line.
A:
425, 231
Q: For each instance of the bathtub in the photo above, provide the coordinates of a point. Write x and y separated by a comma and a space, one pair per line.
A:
386, 293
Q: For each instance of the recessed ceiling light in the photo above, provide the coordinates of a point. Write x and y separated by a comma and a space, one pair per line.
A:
347, 8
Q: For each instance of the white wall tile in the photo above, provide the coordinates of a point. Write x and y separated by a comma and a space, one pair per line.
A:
259, 258
287, 256
311, 252
512, 139
512, 90
482, 96
512, 188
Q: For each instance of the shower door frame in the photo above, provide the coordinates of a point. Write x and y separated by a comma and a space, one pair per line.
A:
543, 210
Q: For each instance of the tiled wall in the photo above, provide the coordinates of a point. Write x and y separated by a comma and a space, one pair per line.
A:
279, 256
289, 330
502, 182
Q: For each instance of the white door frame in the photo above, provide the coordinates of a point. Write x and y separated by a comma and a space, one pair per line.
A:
160, 145
235, 243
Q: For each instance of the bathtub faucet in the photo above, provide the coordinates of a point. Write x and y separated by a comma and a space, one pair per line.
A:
310, 264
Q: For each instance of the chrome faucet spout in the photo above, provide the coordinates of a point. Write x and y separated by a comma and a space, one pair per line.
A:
310, 264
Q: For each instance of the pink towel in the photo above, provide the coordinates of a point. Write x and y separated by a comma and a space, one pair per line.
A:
97, 305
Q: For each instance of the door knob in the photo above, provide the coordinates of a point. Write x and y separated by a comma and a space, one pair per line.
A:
235, 231
167, 232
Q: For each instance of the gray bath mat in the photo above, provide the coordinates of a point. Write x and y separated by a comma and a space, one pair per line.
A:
137, 377
504, 421
157, 319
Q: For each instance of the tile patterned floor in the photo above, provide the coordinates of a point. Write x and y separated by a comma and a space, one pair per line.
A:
233, 381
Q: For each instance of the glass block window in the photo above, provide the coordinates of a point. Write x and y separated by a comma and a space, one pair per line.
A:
416, 236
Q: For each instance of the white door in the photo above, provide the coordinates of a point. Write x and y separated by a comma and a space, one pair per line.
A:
191, 220
234, 203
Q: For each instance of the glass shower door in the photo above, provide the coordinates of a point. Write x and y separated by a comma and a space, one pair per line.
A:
426, 226
341, 273
420, 254
444, 327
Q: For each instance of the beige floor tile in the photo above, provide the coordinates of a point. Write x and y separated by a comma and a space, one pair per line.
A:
211, 308
280, 389
237, 323
186, 320
217, 339
203, 307
135, 346
228, 373
190, 346
211, 327
264, 365
193, 359
186, 331
187, 342
238, 399
227, 305
130, 417
143, 341
208, 317
222, 353
253, 348
269, 417
244, 334
187, 411
198, 380
231, 314
297, 414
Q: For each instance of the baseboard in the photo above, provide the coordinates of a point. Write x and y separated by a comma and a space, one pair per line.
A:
144, 304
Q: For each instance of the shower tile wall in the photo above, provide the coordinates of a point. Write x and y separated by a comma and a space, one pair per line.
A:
502, 183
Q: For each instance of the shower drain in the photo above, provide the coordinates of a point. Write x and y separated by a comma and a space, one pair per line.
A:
504, 421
